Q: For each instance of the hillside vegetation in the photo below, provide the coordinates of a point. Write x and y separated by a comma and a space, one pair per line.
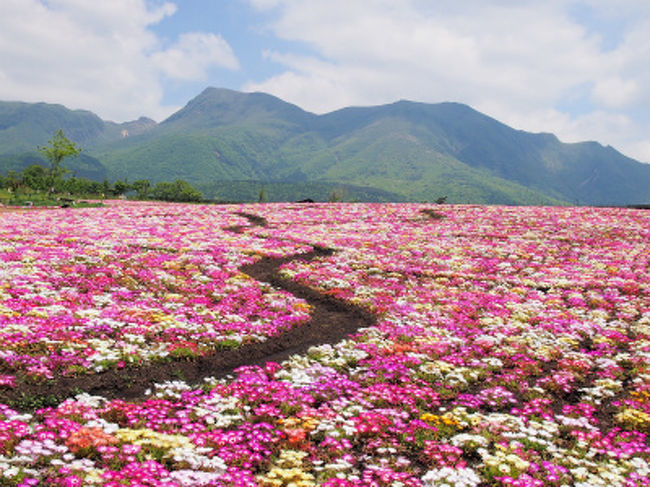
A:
404, 151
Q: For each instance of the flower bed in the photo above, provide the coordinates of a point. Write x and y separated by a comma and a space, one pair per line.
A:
89, 290
511, 349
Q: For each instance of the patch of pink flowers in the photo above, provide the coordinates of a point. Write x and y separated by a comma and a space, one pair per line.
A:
88, 290
511, 349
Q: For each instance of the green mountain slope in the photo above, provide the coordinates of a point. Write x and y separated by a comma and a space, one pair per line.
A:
218, 107
23, 126
404, 150
488, 150
82, 166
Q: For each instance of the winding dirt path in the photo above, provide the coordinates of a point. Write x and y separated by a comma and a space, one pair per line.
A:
331, 321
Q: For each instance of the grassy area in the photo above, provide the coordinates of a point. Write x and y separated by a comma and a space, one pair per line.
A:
40, 199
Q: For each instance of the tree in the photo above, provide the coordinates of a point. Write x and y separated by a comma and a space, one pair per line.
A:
81, 186
337, 195
12, 181
142, 188
261, 196
35, 177
60, 148
179, 190
120, 187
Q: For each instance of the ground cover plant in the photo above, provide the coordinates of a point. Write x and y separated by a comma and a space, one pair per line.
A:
88, 290
510, 345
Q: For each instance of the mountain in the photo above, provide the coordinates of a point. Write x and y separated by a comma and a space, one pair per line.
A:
26, 126
404, 151
82, 166
23, 126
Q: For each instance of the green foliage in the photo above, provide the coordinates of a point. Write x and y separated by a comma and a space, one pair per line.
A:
120, 187
179, 190
249, 191
30, 402
83, 165
33, 199
35, 177
337, 195
24, 126
5, 195
59, 149
183, 353
228, 344
34, 187
80, 186
403, 151
12, 181
261, 196
142, 188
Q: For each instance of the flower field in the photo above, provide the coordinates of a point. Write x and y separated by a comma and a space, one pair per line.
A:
510, 348
88, 291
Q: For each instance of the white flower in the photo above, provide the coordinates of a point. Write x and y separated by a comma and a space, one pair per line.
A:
462, 477
89, 400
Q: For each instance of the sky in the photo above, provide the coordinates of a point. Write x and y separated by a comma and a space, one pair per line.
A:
578, 69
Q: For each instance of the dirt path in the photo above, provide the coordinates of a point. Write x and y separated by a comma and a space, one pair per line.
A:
331, 321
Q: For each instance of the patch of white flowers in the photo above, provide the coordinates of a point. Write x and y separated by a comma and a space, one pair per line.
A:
451, 477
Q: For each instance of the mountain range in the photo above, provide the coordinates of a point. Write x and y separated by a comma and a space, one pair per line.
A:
232, 145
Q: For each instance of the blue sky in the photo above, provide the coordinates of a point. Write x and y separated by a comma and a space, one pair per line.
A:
579, 69
243, 29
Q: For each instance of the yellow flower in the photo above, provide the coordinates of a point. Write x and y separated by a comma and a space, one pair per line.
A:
147, 437
641, 396
302, 306
634, 418
447, 419
287, 471
429, 418
569, 341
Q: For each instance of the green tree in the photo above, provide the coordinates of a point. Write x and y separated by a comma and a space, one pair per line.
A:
12, 181
35, 177
179, 190
81, 186
142, 188
337, 195
120, 187
60, 147
261, 196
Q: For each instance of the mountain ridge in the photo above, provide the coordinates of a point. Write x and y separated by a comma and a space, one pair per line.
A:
418, 151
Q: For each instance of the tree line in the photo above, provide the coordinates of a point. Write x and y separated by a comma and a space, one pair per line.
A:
52, 180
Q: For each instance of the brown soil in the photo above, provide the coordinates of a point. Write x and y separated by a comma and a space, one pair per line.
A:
432, 214
331, 321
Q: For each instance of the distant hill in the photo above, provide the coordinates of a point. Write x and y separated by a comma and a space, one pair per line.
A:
404, 151
82, 166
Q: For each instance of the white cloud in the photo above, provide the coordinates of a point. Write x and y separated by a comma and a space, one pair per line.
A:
521, 61
515, 60
193, 54
641, 149
616, 92
100, 56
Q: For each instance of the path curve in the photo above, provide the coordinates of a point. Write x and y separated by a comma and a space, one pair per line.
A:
331, 320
